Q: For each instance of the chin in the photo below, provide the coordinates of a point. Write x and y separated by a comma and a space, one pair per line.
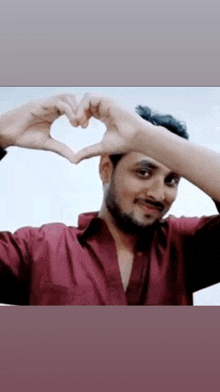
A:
147, 220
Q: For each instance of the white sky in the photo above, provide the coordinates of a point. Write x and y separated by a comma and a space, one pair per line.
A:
40, 187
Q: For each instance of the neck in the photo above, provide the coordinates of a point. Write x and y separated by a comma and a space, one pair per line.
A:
122, 240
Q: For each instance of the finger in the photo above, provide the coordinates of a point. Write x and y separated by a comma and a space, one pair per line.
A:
60, 148
66, 109
72, 101
69, 98
89, 152
73, 104
88, 104
85, 124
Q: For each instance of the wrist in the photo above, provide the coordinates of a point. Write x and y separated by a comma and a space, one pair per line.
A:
144, 134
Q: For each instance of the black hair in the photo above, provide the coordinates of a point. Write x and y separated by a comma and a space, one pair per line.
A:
165, 120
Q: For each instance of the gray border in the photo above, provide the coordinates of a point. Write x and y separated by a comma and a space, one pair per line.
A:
121, 43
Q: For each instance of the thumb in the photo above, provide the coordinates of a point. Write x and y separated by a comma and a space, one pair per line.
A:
60, 148
89, 152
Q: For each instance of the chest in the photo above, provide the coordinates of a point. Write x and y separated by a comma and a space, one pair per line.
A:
125, 262
99, 273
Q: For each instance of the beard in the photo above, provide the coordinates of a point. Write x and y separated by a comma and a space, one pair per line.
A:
125, 222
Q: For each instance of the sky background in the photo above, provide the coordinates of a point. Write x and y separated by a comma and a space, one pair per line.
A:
40, 187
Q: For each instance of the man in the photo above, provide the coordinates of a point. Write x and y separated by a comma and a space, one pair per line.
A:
126, 254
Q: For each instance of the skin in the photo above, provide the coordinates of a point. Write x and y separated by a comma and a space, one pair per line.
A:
127, 132
29, 126
142, 189
143, 197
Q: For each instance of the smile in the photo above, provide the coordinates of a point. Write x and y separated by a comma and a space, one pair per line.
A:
148, 207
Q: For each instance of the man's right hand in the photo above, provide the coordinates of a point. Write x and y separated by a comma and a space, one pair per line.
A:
122, 126
29, 125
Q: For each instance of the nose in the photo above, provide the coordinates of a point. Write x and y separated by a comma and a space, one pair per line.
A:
156, 190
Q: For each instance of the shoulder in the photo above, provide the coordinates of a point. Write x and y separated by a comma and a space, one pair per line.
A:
47, 232
190, 225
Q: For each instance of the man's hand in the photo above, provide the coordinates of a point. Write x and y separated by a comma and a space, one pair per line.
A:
122, 126
29, 125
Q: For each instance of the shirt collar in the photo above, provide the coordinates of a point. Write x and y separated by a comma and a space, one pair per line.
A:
85, 219
88, 224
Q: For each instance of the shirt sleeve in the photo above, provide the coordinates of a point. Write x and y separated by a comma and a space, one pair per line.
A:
15, 263
202, 250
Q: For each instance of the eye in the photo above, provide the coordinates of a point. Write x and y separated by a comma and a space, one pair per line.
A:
143, 173
172, 181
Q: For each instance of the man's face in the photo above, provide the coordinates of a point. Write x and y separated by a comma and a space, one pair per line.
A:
140, 192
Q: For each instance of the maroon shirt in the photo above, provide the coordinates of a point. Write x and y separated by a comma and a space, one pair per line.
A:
60, 265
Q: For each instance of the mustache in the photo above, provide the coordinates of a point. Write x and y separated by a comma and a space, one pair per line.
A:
147, 202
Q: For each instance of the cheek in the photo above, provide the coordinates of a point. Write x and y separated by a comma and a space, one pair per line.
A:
171, 196
125, 192
127, 188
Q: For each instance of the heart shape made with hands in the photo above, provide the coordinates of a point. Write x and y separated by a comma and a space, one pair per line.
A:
29, 126
85, 142
91, 105
65, 150
121, 126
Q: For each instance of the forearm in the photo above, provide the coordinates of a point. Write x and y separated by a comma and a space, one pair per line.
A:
198, 164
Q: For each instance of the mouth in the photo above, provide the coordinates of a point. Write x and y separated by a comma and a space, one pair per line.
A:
149, 207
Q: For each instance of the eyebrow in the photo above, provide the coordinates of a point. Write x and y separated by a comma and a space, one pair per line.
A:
145, 164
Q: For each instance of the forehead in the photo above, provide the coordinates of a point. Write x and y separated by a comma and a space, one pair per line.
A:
136, 159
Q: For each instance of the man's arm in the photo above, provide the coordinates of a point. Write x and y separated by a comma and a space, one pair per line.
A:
126, 132
28, 126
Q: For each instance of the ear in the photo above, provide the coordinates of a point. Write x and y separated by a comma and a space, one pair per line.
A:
105, 169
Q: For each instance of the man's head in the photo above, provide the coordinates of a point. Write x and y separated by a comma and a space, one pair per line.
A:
138, 191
